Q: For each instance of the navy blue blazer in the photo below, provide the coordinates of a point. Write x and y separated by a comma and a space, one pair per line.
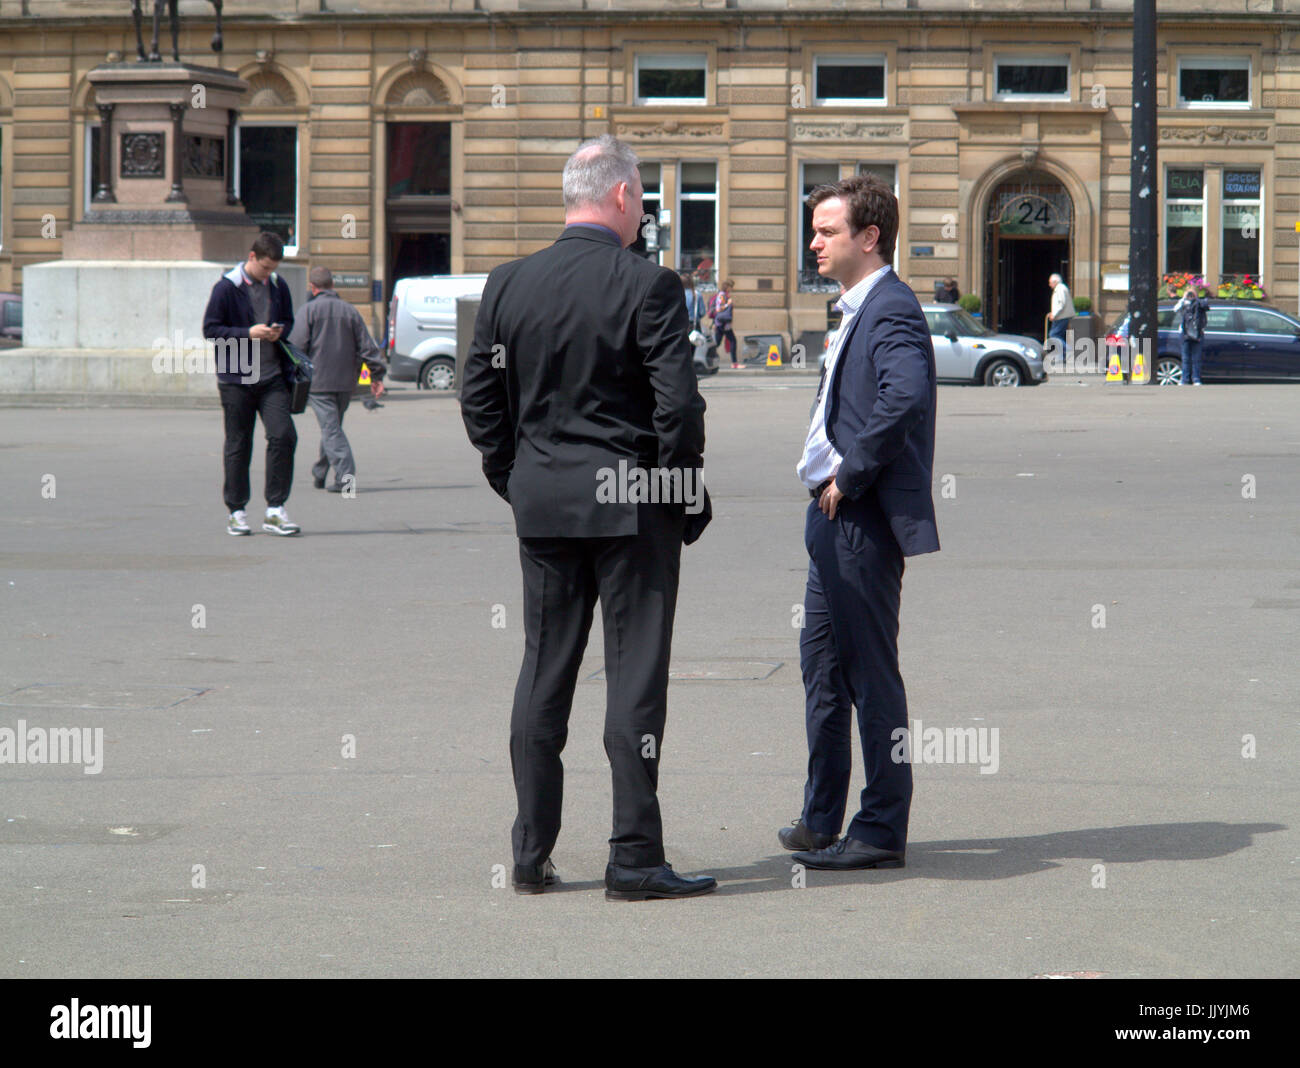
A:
880, 412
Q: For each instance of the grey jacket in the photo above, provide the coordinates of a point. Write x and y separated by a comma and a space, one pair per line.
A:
334, 336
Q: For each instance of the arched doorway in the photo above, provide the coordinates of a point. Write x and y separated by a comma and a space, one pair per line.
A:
1028, 236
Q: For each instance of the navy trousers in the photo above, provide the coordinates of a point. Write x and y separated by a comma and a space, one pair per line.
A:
849, 654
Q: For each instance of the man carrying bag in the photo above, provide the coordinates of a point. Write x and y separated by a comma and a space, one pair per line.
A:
248, 312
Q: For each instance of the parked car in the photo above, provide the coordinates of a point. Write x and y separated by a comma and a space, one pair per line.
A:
967, 351
11, 320
1244, 341
422, 328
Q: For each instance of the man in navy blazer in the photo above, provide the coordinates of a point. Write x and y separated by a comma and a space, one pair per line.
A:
867, 465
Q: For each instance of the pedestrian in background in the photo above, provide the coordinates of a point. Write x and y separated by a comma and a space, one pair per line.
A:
951, 294
720, 310
695, 306
1062, 308
1190, 313
250, 306
334, 336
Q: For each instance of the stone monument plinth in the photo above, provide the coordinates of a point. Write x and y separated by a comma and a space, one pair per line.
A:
122, 313
166, 189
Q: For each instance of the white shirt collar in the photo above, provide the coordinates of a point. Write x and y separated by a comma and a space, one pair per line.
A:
852, 299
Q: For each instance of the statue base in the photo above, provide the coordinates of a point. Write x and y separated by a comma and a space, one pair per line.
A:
165, 187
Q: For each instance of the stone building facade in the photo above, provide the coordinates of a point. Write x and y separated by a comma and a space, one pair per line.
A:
392, 137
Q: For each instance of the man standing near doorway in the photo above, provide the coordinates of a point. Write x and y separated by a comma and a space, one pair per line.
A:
1062, 309
250, 309
333, 335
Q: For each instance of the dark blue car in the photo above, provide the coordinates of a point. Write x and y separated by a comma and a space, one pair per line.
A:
1244, 340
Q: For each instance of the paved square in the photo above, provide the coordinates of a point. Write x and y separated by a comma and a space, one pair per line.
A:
305, 769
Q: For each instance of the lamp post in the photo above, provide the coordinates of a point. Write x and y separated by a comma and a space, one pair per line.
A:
1143, 184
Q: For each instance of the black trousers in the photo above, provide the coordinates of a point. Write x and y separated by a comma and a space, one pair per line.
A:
242, 404
849, 654
635, 579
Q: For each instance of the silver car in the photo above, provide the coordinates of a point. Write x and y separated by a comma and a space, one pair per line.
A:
967, 351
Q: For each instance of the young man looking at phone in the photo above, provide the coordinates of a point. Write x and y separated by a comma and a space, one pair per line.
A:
249, 311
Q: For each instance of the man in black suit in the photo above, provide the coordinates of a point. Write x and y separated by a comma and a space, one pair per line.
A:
579, 392
867, 465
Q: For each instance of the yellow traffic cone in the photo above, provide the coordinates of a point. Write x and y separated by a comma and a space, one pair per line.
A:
774, 355
1138, 376
1114, 372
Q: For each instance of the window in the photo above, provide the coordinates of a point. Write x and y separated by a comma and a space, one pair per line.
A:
1032, 78
651, 203
672, 79
1210, 82
1219, 320
849, 80
888, 174
1184, 221
419, 159
91, 169
940, 323
267, 170
1257, 321
810, 281
1241, 223
697, 220
13, 316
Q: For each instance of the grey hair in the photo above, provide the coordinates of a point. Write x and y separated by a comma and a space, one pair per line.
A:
1057, 277
595, 169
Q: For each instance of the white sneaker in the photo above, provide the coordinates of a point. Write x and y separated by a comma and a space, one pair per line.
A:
237, 524
278, 522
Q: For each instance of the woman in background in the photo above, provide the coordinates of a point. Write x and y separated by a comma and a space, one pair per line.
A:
720, 310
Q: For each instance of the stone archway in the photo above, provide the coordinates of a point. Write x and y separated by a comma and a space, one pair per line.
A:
1028, 225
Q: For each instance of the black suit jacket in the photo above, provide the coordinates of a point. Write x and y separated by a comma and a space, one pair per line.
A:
580, 359
880, 412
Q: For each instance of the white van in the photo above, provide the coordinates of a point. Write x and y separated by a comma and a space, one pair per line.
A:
422, 328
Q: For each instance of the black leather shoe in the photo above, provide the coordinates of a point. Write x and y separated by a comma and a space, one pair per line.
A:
639, 884
534, 878
319, 483
848, 854
798, 836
